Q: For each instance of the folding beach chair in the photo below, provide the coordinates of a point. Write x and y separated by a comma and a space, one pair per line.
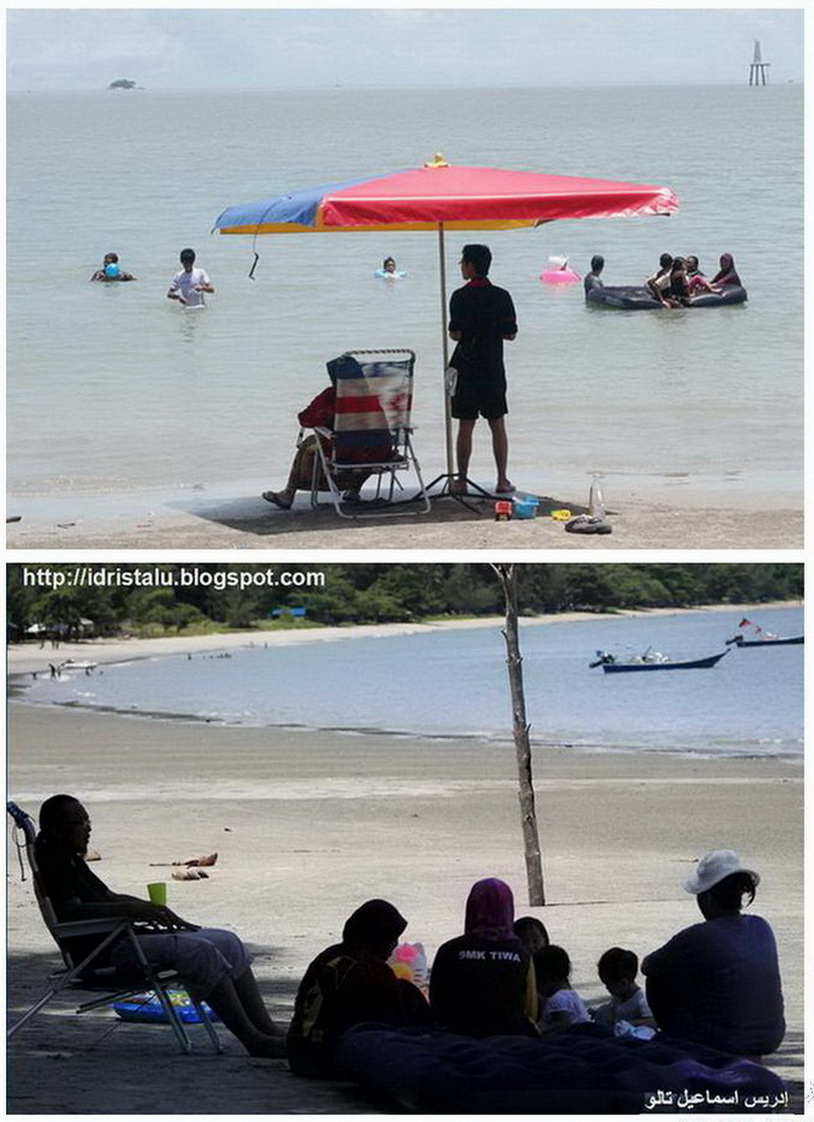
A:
110, 984
371, 436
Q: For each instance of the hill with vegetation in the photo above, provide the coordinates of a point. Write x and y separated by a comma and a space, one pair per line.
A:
144, 599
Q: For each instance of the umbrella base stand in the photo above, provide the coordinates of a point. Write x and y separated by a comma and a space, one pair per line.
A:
471, 486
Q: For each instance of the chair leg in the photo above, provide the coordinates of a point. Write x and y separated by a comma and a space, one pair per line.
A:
206, 1021
64, 980
154, 983
32, 1012
181, 1034
335, 495
122, 995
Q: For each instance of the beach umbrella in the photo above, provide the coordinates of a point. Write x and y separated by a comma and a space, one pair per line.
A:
440, 197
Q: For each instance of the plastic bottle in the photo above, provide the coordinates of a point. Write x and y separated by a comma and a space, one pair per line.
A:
596, 503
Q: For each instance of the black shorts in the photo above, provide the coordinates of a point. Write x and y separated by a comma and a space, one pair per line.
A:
474, 398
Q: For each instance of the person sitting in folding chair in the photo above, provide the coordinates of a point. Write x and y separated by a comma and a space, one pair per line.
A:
214, 964
320, 414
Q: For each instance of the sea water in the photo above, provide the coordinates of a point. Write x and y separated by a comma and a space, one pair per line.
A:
453, 683
113, 389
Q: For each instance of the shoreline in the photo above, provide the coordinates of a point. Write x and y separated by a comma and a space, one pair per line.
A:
23, 660
25, 665
307, 826
672, 517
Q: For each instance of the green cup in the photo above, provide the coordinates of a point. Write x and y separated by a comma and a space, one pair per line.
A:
158, 893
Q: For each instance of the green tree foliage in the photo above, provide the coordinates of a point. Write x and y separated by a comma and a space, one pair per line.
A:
158, 599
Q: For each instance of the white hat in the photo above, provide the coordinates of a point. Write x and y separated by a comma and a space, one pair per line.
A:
714, 868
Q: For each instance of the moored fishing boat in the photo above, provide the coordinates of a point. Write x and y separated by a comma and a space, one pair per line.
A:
768, 641
652, 660
756, 636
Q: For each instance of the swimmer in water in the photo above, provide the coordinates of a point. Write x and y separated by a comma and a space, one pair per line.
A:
110, 270
388, 269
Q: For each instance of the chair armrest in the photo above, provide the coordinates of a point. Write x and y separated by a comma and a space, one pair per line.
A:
70, 929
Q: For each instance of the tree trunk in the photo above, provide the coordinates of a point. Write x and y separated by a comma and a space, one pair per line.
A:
514, 661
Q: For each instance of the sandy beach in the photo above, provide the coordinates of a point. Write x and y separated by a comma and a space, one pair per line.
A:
308, 824
678, 517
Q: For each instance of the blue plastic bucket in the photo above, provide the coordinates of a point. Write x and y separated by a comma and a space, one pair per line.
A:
525, 506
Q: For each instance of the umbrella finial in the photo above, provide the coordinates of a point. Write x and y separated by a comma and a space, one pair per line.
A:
437, 161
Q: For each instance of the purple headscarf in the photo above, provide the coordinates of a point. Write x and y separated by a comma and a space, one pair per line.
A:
490, 910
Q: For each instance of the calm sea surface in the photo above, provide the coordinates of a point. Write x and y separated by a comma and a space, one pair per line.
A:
113, 388
454, 683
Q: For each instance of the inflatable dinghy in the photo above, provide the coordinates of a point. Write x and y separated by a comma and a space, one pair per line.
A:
639, 298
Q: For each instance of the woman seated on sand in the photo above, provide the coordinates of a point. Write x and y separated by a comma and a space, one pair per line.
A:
319, 414
351, 982
718, 982
482, 983
214, 965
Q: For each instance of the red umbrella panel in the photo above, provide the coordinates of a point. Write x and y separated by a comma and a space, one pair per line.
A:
440, 196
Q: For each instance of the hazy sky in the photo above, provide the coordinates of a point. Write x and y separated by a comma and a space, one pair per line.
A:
164, 48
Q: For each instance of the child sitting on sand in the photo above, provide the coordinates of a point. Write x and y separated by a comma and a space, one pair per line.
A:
532, 933
617, 970
561, 1006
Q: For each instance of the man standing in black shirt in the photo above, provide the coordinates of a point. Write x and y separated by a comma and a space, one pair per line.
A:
481, 316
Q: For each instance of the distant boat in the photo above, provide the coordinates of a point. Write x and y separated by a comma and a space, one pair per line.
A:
652, 660
768, 641
756, 636
72, 664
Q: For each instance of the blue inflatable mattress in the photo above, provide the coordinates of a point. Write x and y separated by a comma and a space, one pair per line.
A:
584, 1070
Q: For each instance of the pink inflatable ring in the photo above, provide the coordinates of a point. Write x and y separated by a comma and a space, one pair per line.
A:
564, 275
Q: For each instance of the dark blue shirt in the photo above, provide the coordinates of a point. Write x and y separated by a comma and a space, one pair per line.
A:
718, 983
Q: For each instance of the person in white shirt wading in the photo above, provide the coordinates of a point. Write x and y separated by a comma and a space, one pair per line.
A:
189, 286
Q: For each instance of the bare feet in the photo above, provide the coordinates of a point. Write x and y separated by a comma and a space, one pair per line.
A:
269, 1046
282, 499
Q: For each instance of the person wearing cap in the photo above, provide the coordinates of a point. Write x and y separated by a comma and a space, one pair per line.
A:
189, 285
718, 982
481, 316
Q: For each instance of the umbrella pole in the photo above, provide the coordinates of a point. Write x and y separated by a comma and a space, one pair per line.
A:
445, 351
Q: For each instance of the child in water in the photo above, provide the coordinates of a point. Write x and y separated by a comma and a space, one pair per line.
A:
389, 270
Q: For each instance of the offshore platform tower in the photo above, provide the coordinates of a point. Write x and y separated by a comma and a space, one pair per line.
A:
757, 68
